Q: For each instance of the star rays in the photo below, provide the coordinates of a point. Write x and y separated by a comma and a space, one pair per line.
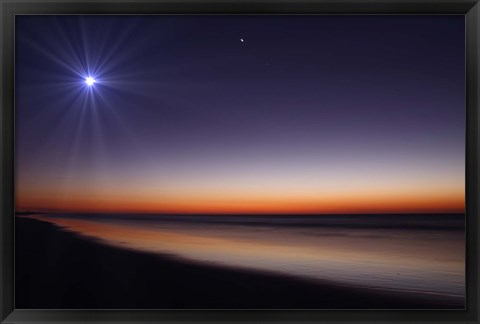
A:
79, 76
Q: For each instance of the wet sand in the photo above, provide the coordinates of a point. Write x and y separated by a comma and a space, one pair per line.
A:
61, 270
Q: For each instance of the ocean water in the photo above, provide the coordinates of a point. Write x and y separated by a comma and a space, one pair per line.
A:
410, 253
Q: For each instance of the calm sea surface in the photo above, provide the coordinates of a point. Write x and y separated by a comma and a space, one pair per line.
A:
414, 253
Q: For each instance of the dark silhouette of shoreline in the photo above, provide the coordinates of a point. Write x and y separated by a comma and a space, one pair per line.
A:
58, 269
28, 212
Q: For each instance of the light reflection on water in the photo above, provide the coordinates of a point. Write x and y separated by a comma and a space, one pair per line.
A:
397, 252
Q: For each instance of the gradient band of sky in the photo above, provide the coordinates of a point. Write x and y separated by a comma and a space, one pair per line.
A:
240, 114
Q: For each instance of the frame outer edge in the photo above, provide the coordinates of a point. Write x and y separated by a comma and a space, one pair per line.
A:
7, 313
6, 162
473, 155
2, 188
472, 159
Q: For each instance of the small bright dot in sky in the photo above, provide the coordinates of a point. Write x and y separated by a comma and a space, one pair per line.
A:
241, 39
89, 81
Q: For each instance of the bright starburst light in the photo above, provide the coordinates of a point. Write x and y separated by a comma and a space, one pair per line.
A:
90, 81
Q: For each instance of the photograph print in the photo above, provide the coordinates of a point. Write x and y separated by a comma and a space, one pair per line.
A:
240, 162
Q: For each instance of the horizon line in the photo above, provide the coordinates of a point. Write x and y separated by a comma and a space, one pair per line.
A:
235, 214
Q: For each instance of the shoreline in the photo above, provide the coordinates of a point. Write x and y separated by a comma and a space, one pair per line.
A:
59, 269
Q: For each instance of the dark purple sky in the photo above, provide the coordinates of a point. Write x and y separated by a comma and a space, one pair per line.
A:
313, 107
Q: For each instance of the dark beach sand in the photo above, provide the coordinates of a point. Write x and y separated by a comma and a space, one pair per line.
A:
56, 269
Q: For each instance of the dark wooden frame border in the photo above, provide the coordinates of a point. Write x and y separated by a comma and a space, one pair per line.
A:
9, 8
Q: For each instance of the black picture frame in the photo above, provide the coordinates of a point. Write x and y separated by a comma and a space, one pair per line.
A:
10, 8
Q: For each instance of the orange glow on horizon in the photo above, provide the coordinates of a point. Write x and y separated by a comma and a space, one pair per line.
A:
379, 202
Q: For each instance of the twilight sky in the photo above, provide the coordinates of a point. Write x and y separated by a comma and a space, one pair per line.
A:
308, 114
